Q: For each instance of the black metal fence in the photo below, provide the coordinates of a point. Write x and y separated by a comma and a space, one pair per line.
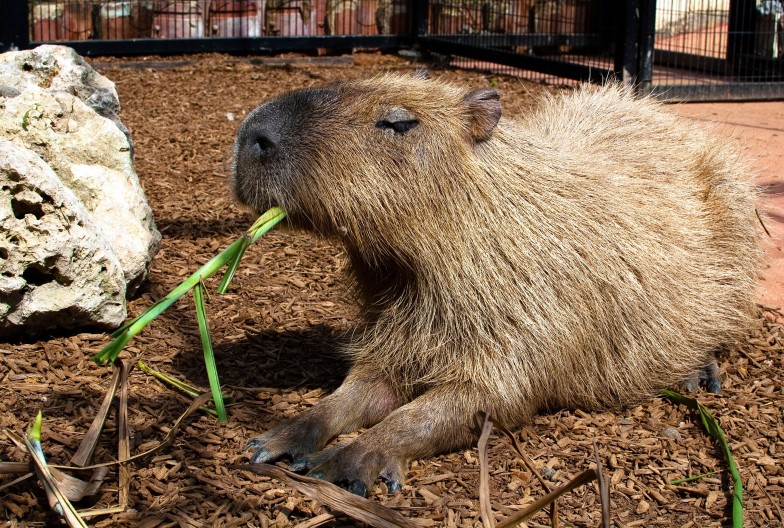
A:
568, 39
108, 27
674, 49
718, 49
69, 20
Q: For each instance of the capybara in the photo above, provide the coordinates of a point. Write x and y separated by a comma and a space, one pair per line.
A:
586, 255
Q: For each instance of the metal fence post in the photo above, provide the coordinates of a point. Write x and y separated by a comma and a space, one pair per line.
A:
419, 18
636, 57
14, 25
626, 59
647, 34
740, 38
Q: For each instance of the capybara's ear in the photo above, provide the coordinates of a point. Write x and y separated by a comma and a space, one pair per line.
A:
422, 74
484, 110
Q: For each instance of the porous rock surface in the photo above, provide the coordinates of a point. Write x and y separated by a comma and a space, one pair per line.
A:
91, 156
61, 69
56, 269
45, 107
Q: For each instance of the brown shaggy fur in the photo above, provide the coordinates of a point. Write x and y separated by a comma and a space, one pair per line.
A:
587, 255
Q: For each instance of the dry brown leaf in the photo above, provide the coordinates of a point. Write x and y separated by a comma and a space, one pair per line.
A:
485, 507
124, 447
57, 500
86, 449
334, 497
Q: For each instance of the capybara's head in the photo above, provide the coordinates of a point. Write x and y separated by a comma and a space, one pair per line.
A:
361, 160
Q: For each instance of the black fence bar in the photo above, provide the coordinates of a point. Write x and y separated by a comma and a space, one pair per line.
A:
645, 48
14, 25
692, 62
627, 57
762, 91
236, 45
528, 40
579, 72
419, 19
740, 41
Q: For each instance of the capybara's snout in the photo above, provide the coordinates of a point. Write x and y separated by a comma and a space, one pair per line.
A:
258, 145
261, 140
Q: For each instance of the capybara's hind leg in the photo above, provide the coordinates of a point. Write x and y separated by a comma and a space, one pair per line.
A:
707, 376
440, 420
362, 400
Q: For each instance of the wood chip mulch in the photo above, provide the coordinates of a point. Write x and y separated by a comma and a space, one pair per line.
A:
276, 333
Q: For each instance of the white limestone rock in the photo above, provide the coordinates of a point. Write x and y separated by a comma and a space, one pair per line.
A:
56, 268
61, 69
91, 156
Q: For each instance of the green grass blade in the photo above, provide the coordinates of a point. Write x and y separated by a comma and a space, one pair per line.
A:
265, 222
209, 356
34, 433
133, 327
232, 254
110, 352
715, 430
233, 265
183, 386
188, 389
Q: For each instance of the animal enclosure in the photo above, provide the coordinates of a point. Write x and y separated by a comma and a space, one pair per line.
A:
674, 49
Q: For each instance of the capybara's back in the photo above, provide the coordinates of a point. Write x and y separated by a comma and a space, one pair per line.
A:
586, 255
647, 239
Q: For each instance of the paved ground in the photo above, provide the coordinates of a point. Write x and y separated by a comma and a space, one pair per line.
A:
760, 127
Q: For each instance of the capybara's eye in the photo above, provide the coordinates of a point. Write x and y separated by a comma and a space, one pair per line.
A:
398, 120
399, 127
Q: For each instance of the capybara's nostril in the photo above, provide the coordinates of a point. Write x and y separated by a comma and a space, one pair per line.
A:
263, 145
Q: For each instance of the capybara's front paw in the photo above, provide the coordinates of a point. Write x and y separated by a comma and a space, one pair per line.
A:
355, 465
292, 439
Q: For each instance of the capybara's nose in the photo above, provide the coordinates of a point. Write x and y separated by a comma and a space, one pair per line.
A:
264, 142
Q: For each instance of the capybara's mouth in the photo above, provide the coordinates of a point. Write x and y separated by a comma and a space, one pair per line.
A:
249, 193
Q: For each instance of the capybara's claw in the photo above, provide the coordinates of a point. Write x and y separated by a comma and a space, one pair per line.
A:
261, 451
262, 455
253, 445
301, 464
352, 485
269, 448
292, 439
357, 487
709, 377
706, 376
713, 385
355, 467
392, 475
393, 486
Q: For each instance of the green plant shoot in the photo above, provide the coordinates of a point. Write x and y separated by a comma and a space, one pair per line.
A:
715, 430
231, 254
209, 355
